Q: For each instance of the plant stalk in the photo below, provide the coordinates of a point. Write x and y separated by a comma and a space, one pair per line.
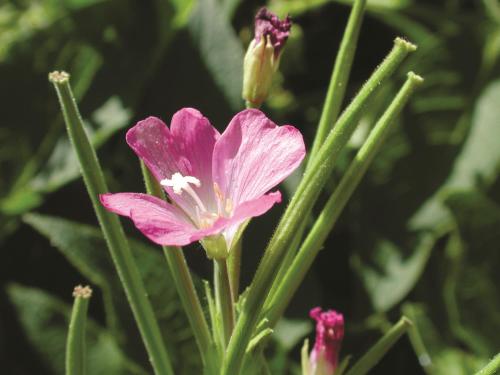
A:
300, 205
377, 351
340, 77
182, 278
492, 367
112, 229
75, 344
234, 267
331, 107
224, 298
276, 303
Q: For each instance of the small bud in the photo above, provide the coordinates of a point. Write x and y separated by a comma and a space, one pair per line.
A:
263, 55
323, 359
82, 291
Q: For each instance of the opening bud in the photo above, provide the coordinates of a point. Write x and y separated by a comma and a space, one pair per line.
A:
263, 55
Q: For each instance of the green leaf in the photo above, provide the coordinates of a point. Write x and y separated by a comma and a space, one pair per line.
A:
289, 332
474, 279
85, 249
479, 159
220, 49
434, 355
478, 162
394, 277
45, 321
62, 165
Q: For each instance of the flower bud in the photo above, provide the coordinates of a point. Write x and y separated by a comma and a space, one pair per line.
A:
323, 359
263, 55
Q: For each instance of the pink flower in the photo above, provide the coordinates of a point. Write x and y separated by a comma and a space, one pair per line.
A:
215, 182
329, 334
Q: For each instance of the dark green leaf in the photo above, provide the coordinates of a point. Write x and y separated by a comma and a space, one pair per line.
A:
220, 49
85, 248
45, 320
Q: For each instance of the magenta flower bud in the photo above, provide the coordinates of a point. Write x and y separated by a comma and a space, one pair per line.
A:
263, 55
323, 359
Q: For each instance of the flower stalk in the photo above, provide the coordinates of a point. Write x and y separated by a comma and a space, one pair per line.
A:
224, 299
75, 344
375, 354
301, 204
183, 281
492, 368
234, 267
286, 288
340, 76
112, 229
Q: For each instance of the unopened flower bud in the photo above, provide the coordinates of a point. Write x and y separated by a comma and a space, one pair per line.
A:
263, 55
323, 359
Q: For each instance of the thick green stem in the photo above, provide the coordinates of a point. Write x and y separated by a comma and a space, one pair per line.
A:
340, 76
75, 344
375, 354
234, 266
112, 229
277, 303
491, 368
224, 298
300, 205
183, 280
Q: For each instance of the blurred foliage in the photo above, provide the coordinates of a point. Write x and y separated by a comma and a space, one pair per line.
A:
419, 236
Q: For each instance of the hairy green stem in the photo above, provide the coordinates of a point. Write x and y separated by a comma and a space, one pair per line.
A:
234, 267
331, 107
340, 76
112, 229
183, 280
224, 298
377, 351
300, 205
75, 343
492, 368
277, 303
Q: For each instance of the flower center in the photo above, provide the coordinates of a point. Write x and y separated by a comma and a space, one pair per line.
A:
204, 218
180, 183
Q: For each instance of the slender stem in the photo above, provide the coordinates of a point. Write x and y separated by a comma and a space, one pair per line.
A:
183, 280
340, 76
112, 229
300, 205
333, 101
277, 303
234, 266
75, 344
224, 298
377, 351
288, 259
491, 368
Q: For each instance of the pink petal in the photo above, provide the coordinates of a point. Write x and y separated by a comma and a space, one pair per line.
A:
187, 148
254, 155
152, 142
161, 222
195, 139
247, 210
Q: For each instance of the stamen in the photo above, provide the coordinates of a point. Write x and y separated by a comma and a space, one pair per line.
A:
180, 183
229, 206
219, 197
